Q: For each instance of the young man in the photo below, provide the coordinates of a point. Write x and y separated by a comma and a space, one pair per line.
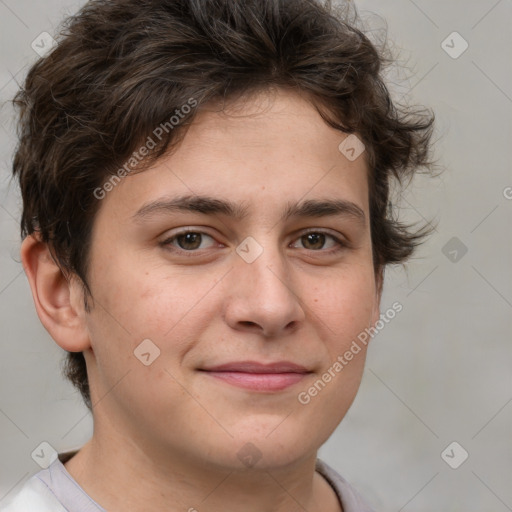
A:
206, 227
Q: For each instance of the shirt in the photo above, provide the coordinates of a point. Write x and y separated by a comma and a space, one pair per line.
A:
54, 490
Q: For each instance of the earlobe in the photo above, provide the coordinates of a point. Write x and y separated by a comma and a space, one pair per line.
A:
62, 317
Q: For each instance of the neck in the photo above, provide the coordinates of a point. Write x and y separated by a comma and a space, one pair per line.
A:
120, 476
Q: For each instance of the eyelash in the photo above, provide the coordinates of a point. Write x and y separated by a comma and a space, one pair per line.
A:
167, 243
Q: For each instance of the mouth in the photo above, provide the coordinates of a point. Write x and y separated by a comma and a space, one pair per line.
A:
259, 376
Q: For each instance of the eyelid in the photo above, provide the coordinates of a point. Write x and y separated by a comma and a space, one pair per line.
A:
170, 238
340, 240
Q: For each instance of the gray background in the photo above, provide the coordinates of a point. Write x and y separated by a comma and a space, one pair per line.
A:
441, 371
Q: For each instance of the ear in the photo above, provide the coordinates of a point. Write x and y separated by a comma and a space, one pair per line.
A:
58, 300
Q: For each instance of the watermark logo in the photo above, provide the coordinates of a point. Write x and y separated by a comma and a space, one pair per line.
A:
351, 147
43, 44
454, 455
454, 250
249, 455
454, 45
146, 352
249, 250
44, 454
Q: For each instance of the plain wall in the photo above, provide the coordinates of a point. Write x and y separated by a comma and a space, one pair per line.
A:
441, 371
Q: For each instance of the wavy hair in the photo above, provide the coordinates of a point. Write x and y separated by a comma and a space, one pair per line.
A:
123, 67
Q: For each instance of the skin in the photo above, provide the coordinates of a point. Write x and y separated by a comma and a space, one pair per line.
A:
171, 428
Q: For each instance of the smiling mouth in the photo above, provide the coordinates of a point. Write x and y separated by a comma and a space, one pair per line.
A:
259, 376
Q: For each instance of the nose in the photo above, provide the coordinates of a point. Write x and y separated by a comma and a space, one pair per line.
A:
262, 297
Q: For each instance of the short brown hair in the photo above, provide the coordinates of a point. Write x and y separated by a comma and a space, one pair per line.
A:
123, 67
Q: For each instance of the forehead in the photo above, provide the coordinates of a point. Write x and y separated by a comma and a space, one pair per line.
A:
271, 148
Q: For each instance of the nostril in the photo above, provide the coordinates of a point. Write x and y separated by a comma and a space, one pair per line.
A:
247, 323
291, 325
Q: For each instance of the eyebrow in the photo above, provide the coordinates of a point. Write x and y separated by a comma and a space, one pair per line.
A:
211, 205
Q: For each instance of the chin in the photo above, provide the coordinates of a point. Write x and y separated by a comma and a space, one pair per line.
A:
262, 447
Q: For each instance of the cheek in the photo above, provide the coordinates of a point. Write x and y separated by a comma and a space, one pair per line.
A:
344, 307
137, 301
132, 307
343, 310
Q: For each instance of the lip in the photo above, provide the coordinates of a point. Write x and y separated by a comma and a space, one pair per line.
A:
259, 376
257, 367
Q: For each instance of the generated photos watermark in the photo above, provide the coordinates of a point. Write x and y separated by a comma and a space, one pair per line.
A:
304, 397
139, 155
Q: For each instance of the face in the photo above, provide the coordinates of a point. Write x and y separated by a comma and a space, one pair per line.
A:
266, 281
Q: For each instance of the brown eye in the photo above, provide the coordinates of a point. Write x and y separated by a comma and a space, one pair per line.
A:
316, 241
313, 240
322, 242
188, 241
